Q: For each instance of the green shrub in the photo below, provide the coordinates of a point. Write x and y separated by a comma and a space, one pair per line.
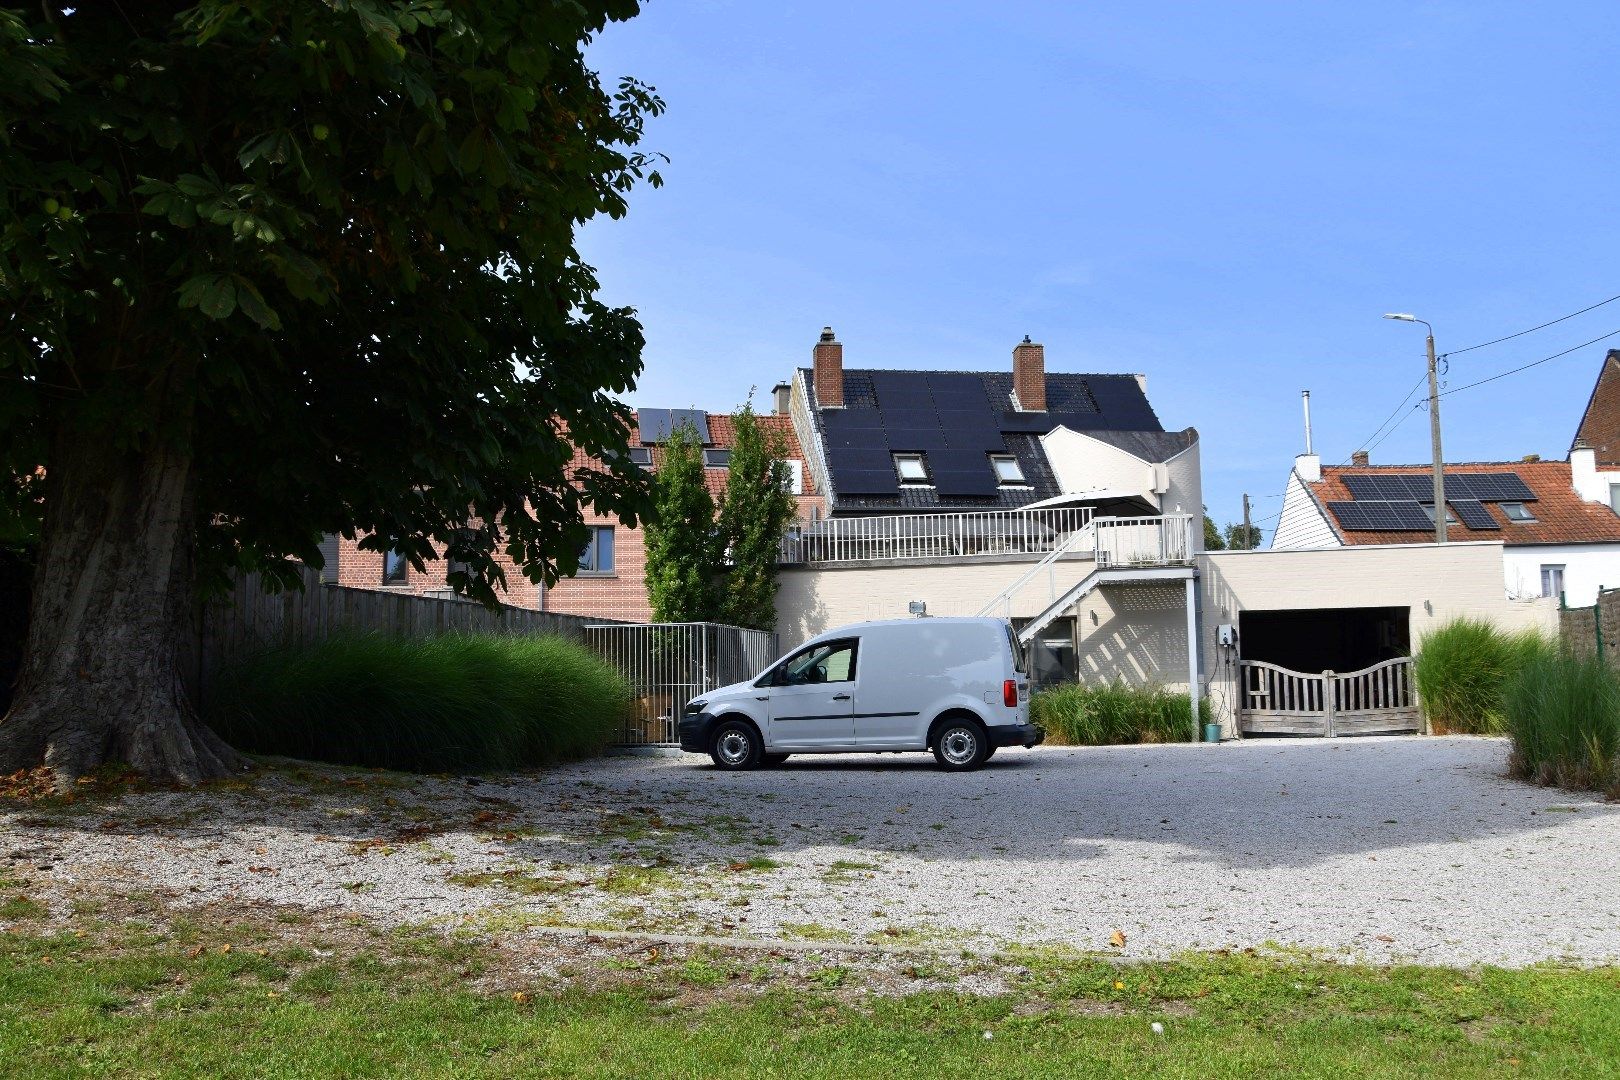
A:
1462, 670
1079, 715
1563, 713
452, 702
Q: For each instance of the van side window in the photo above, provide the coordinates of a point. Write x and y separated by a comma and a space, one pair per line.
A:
826, 662
1017, 651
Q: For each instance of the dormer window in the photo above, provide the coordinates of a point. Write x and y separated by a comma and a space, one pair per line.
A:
717, 459
1516, 511
910, 468
641, 455
1008, 472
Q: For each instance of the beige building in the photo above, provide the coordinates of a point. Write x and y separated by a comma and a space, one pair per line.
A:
1341, 609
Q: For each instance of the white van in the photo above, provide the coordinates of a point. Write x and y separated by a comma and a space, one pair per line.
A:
957, 687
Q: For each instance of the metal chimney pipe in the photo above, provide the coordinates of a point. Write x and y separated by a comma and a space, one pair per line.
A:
1305, 395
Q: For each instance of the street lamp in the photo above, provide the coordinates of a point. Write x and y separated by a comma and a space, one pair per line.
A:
1434, 432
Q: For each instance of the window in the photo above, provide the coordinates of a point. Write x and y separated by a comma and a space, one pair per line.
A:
830, 661
1614, 498
1552, 580
1451, 519
597, 555
717, 459
1008, 471
911, 468
795, 476
641, 455
1521, 512
394, 568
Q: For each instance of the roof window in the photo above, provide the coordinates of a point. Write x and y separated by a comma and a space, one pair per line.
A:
717, 459
1008, 471
1517, 511
910, 468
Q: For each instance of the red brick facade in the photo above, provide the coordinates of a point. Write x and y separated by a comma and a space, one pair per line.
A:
828, 358
619, 594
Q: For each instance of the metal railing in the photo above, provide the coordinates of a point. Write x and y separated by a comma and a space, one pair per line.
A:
1145, 541
933, 536
669, 664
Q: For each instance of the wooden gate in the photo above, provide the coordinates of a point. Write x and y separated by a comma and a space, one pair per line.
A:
1376, 700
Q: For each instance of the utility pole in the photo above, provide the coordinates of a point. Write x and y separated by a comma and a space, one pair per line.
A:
1434, 439
1434, 432
1248, 537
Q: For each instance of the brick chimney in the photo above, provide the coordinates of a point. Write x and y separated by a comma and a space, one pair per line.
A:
1029, 376
1360, 459
829, 370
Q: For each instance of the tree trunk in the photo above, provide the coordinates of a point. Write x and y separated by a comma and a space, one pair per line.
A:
112, 600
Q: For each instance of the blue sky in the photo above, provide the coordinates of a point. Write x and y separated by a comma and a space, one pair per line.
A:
1224, 197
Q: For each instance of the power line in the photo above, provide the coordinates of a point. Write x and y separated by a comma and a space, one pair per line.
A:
1380, 429
1409, 413
1533, 329
1527, 367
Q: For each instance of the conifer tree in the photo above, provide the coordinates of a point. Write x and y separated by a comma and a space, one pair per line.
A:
682, 552
757, 509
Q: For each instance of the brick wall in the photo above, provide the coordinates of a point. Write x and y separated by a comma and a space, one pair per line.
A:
621, 594
359, 569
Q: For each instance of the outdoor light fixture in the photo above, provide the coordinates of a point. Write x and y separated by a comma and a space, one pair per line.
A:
1402, 316
1434, 426
918, 608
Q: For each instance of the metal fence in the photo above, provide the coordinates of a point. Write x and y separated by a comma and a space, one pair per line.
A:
932, 536
668, 664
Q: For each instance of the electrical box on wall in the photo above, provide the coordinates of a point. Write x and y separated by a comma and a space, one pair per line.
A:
1226, 636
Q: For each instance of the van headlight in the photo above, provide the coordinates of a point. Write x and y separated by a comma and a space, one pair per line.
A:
696, 705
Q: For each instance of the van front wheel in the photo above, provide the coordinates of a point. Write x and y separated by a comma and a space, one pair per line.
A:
735, 745
960, 746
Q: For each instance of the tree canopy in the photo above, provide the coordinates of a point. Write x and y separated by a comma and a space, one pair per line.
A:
328, 248
276, 268
682, 547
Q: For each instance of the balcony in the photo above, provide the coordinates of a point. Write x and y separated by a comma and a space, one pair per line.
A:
1042, 534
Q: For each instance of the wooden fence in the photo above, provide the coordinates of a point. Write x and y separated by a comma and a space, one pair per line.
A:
251, 619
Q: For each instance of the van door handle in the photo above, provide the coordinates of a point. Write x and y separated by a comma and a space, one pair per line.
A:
840, 697
762, 697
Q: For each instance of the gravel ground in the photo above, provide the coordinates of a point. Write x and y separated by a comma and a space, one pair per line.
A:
1374, 849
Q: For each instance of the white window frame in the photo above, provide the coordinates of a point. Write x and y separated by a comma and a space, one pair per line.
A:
396, 568
1528, 517
903, 462
1017, 479
1614, 498
1552, 574
795, 476
641, 455
717, 458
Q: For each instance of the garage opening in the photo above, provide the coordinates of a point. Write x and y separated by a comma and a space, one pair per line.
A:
1325, 639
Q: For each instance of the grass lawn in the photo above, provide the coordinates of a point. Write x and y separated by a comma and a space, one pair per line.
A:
202, 995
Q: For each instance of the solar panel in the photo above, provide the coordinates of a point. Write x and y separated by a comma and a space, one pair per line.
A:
1389, 486
865, 482
1490, 487
653, 424
904, 402
913, 382
962, 472
1381, 515
1472, 513
931, 437
859, 458
657, 424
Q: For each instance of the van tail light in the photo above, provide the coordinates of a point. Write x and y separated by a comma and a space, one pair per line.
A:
1009, 693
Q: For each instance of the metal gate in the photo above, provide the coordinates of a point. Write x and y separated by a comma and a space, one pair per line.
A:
668, 664
1373, 701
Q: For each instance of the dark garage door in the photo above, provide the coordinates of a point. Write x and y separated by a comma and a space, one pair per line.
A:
1325, 639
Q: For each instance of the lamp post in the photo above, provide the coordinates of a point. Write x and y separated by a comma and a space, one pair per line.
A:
1434, 432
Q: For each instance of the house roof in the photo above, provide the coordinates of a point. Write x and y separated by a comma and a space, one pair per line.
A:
1600, 423
722, 431
957, 420
1562, 517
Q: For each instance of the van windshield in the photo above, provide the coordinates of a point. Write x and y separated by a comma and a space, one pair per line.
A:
1017, 649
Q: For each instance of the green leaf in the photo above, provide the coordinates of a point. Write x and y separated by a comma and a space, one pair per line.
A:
212, 294
253, 306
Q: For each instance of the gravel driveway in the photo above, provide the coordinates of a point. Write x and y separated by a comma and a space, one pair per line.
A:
1376, 849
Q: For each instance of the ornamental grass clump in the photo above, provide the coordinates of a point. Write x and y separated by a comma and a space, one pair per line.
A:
447, 703
1563, 714
1462, 671
1078, 715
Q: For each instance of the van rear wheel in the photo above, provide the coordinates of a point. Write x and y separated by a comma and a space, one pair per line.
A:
735, 745
960, 746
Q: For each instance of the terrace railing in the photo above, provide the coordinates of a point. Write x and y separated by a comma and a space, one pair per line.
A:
933, 536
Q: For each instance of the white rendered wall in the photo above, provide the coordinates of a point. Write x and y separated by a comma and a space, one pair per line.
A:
1081, 464
1587, 568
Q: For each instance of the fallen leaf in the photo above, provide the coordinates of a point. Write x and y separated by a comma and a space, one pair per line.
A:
194, 953
1117, 939
520, 997
1385, 937
224, 949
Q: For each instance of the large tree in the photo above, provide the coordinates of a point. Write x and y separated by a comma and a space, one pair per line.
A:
755, 512
682, 545
275, 268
